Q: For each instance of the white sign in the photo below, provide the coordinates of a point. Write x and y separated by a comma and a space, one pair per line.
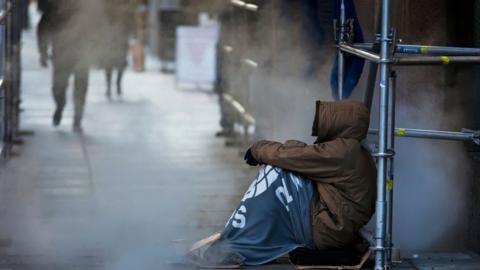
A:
196, 54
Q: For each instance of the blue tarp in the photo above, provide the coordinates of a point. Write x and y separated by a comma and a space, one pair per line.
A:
273, 218
318, 19
353, 64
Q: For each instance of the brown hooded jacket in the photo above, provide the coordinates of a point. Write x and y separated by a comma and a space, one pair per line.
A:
343, 171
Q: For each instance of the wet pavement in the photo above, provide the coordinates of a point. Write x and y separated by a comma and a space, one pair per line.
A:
145, 178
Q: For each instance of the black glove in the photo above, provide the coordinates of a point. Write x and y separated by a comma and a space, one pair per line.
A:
250, 159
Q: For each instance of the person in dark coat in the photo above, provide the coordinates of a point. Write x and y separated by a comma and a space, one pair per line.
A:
65, 26
341, 168
117, 31
312, 196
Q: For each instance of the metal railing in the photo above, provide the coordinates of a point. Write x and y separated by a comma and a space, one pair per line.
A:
3, 95
246, 117
238, 65
245, 5
10, 75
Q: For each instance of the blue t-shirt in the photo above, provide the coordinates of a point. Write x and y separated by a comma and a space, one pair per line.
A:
272, 219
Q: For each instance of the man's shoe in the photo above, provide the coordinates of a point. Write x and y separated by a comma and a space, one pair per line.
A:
225, 133
77, 126
57, 117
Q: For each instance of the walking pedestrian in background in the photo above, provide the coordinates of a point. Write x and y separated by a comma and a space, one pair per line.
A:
67, 27
119, 26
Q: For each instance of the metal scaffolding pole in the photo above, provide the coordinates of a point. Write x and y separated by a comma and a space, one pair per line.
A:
370, 87
8, 135
341, 57
373, 66
465, 135
435, 60
383, 52
424, 49
370, 56
383, 153
391, 167
436, 50
362, 50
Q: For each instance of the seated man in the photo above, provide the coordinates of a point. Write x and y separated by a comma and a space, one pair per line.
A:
312, 196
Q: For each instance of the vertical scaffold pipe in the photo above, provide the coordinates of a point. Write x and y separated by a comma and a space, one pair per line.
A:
382, 139
391, 167
373, 67
341, 57
9, 92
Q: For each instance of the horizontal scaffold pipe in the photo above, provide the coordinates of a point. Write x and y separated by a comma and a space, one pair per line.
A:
435, 60
469, 135
437, 50
361, 53
246, 117
364, 46
413, 60
425, 49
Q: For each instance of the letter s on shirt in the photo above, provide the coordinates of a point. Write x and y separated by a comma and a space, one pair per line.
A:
239, 219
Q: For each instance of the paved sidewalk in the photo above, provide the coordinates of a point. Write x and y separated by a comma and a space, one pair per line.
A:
145, 178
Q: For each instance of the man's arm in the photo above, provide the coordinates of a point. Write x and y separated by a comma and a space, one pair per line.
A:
319, 162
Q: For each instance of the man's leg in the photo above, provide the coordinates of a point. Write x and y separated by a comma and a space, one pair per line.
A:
119, 80
227, 118
108, 74
80, 94
61, 73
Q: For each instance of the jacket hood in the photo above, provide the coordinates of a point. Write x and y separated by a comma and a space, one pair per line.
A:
340, 119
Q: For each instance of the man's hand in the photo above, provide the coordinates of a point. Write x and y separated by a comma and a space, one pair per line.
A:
44, 60
250, 159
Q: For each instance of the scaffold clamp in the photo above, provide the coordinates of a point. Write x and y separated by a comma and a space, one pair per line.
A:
475, 135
